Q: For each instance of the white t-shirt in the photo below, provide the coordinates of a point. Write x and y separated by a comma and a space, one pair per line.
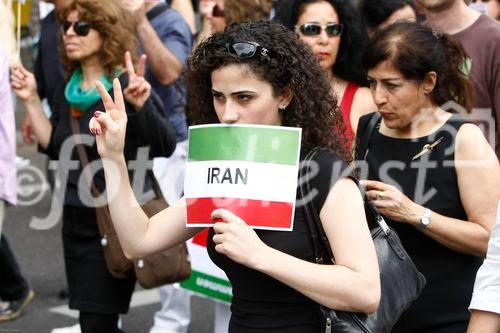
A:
486, 295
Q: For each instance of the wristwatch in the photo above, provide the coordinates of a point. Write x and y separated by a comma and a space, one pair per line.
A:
426, 218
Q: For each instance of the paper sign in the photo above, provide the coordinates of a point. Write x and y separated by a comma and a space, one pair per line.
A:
206, 280
249, 170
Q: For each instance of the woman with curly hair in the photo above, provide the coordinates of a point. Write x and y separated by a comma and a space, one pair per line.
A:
276, 283
95, 37
334, 32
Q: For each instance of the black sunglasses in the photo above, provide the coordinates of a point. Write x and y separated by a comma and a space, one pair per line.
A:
81, 28
217, 11
313, 29
246, 49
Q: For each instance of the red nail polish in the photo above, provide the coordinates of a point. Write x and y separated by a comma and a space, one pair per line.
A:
97, 114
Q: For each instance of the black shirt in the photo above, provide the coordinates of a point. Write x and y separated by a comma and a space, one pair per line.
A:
262, 303
430, 181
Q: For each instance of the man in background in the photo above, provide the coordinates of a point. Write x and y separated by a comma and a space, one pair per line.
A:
480, 37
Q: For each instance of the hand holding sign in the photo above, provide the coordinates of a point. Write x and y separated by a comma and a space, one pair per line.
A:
235, 239
250, 170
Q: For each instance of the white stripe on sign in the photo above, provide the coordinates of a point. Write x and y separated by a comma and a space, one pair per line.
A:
258, 181
202, 262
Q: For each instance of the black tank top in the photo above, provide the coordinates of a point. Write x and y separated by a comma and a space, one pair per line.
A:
262, 304
430, 181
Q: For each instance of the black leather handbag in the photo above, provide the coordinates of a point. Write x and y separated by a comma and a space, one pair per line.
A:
401, 282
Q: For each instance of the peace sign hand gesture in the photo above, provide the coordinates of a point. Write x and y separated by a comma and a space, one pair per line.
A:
110, 126
138, 90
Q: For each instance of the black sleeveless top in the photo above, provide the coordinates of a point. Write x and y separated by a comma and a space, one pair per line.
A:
262, 304
430, 181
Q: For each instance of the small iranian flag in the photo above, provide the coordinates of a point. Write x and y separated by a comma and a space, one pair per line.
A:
248, 169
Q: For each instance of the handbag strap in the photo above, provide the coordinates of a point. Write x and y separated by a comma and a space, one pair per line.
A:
84, 159
363, 141
82, 156
321, 245
311, 215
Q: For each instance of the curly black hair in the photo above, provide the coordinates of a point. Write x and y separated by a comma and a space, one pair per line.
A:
352, 41
290, 65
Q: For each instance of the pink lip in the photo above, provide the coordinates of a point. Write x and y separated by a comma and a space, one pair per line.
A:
71, 46
323, 55
385, 114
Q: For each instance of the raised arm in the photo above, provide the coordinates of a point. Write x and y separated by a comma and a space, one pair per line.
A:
150, 126
139, 236
164, 64
25, 87
352, 284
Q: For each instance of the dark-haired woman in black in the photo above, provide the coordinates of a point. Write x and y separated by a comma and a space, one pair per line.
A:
432, 174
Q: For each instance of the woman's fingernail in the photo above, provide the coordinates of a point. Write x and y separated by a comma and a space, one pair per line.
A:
98, 132
97, 114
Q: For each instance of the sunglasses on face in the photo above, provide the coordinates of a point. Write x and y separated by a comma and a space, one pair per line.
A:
217, 11
313, 29
80, 28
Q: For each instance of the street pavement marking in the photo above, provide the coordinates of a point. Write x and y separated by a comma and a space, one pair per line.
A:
139, 298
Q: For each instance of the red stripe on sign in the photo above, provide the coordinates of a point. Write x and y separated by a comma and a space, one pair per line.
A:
201, 238
256, 213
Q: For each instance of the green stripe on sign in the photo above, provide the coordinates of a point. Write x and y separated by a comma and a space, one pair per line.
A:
209, 286
254, 144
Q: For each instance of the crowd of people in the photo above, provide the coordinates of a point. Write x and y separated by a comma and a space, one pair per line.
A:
135, 73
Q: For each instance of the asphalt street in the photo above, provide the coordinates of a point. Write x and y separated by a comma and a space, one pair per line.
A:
37, 246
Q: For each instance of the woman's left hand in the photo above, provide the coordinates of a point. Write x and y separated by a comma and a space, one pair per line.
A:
391, 202
235, 239
138, 89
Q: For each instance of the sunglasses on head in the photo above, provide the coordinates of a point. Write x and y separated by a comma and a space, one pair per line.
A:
217, 11
313, 29
246, 49
80, 28
242, 50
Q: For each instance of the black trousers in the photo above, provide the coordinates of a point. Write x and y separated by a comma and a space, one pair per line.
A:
13, 286
92, 288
